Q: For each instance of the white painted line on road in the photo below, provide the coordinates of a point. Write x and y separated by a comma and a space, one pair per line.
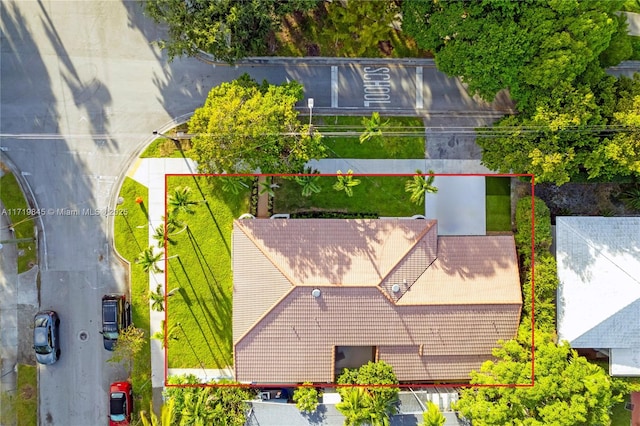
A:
419, 89
334, 86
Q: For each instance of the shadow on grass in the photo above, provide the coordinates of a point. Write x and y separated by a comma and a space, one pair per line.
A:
189, 304
220, 298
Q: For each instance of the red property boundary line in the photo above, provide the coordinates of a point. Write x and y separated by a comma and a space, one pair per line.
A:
335, 385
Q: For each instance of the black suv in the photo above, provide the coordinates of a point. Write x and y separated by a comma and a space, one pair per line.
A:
116, 316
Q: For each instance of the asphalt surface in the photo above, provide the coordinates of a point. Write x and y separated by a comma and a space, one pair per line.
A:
82, 89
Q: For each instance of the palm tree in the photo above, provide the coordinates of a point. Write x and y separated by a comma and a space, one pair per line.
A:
372, 127
197, 409
180, 201
233, 185
171, 333
419, 186
433, 416
346, 182
167, 415
268, 187
309, 182
157, 299
355, 406
147, 259
381, 409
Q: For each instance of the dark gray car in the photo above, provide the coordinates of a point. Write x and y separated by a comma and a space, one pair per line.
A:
116, 316
46, 337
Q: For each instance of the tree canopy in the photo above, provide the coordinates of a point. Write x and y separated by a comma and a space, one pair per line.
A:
244, 126
568, 391
227, 29
523, 46
220, 405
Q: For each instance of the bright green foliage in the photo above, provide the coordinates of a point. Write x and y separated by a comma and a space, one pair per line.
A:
545, 286
346, 182
373, 128
306, 398
157, 299
214, 405
587, 131
420, 185
243, 127
433, 416
523, 46
148, 260
309, 181
129, 344
171, 333
372, 373
167, 415
355, 27
179, 201
542, 227
227, 29
568, 389
362, 407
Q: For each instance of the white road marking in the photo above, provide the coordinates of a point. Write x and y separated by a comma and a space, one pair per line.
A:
419, 89
334, 86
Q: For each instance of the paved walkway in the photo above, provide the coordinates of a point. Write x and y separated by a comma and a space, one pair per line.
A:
151, 172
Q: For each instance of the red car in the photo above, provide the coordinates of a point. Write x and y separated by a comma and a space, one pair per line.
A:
120, 403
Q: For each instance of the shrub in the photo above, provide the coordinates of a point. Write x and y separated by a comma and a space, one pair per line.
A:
542, 228
306, 398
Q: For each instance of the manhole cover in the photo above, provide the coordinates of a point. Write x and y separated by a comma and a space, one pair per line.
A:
83, 335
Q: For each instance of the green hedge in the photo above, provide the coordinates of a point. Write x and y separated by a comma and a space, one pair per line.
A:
320, 214
523, 225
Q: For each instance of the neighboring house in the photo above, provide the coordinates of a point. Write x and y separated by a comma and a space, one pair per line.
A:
599, 290
313, 296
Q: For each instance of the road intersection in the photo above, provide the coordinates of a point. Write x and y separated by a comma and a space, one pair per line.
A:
82, 89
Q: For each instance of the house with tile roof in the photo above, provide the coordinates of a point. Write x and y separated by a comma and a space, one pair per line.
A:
313, 296
599, 288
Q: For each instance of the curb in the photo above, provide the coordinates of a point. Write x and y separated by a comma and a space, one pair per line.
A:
316, 61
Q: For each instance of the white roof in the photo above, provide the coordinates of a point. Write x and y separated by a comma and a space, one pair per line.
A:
599, 290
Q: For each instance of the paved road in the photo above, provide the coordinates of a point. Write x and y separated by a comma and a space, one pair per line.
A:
82, 89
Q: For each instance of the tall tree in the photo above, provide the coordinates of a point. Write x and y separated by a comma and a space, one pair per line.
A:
243, 127
180, 201
148, 260
419, 186
524, 46
568, 391
157, 299
227, 29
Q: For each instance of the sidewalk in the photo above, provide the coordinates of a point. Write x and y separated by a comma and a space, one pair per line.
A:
151, 172
389, 166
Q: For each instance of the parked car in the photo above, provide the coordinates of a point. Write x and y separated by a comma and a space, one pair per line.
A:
120, 403
116, 316
46, 337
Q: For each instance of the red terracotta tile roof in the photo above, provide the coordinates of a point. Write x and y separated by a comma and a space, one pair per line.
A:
282, 333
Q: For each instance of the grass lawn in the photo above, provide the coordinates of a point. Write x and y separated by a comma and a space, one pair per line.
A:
131, 237
23, 223
402, 146
200, 313
620, 416
27, 395
498, 206
383, 195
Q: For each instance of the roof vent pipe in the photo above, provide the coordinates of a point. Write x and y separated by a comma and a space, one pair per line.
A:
315, 293
395, 288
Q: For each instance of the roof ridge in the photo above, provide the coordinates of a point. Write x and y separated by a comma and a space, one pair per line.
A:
427, 229
599, 251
